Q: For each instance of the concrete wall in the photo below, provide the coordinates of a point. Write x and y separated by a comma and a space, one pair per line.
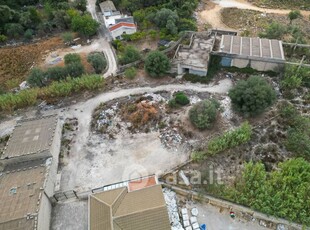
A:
53, 168
192, 70
30, 157
111, 20
44, 215
240, 63
119, 32
258, 65
198, 72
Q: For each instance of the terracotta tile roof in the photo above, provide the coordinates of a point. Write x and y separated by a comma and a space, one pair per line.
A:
143, 183
121, 24
139, 210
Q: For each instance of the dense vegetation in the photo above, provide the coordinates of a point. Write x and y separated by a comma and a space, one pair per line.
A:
287, 4
283, 193
24, 98
168, 16
25, 19
98, 61
203, 114
73, 68
156, 64
253, 96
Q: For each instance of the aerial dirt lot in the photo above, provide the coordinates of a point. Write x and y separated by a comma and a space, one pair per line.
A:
17, 61
95, 159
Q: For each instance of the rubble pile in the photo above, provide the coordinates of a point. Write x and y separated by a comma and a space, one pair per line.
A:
227, 112
170, 137
105, 116
171, 201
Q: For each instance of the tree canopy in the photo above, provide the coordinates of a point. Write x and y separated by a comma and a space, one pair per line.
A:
156, 64
283, 193
253, 96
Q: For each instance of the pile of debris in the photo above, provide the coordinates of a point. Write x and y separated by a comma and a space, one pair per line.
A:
171, 202
105, 117
170, 137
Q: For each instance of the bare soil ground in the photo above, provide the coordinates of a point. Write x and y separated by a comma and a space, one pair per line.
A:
254, 22
17, 61
296, 4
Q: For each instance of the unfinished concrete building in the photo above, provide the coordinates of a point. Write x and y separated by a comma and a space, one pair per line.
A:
194, 58
27, 176
257, 53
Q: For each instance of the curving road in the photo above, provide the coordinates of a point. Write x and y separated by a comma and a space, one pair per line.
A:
104, 44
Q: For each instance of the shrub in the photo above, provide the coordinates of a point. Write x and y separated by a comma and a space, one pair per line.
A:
252, 96
274, 31
156, 64
72, 58
196, 78
28, 34
75, 69
36, 78
11, 101
203, 114
230, 139
3, 38
130, 54
67, 37
56, 73
181, 98
131, 73
98, 61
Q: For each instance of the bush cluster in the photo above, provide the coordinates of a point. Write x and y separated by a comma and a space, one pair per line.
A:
253, 96
180, 99
24, 98
228, 140
203, 114
73, 68
98, 61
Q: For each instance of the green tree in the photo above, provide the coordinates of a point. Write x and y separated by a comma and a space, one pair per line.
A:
283, 193
156, 64
85, 25
181, 98
203, 114
3, 38
130, 54
72, 58
294, 14
98, 61
36, 78
187, 25
163, 16
253, 96
80, 5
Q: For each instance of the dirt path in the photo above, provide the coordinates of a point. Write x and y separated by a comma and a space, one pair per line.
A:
83, 111
212, 13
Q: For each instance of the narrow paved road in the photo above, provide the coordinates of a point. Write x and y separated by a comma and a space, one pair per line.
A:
212, 15
104, 42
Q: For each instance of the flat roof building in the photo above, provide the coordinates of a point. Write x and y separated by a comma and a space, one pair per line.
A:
22, 199
140, 209
32, 139
28, 170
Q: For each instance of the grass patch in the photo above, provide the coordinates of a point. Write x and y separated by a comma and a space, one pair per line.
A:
10, 101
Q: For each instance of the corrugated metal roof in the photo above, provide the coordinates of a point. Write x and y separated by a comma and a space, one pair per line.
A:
252, 47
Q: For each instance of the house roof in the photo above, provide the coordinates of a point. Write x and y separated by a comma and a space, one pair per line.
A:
121, 24
119, 209
124, 19
20, 194
252, 47
31, 136
141, 183
107, 6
